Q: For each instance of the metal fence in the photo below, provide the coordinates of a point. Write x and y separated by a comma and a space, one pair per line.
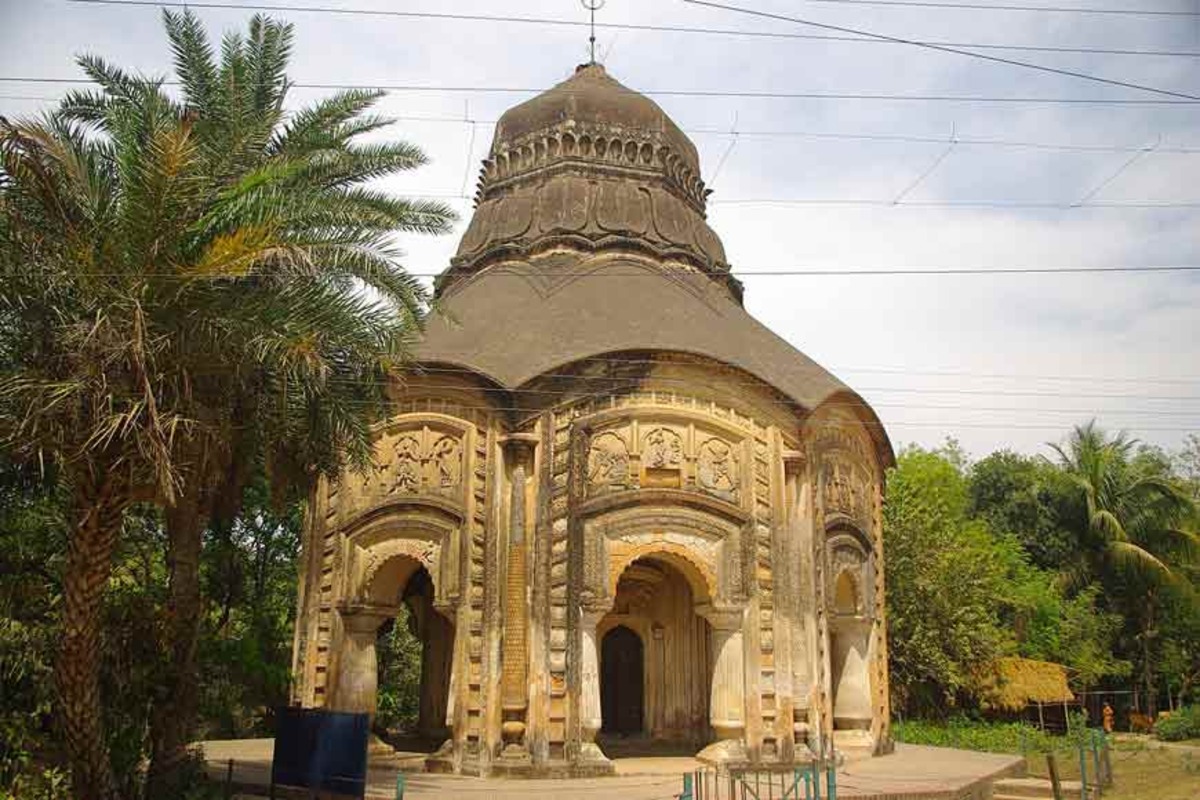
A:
811, 782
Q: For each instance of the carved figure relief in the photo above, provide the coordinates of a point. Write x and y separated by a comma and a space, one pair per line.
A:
847, 489
406, 465
663, 449
415, 461
446, 460
608, 462
717, 468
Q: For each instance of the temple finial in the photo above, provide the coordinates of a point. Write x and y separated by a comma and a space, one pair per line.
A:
592, 6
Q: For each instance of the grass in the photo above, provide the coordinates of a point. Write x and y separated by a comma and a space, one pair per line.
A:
1141, 771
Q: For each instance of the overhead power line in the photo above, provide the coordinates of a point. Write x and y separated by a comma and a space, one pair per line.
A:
623, 26
745, 95
526, 271
912, 138
944, 49
1129, 12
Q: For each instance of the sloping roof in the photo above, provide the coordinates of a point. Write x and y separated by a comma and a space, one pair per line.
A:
1011, 684
513, 327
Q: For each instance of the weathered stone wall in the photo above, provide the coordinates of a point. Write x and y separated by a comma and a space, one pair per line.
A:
527, 511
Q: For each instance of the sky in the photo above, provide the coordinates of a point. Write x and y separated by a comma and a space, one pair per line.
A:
831, 184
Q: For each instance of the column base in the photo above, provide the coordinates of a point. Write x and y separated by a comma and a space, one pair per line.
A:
443, 759
591, 761
724, 753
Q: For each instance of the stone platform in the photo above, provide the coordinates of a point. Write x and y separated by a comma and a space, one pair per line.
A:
911, 773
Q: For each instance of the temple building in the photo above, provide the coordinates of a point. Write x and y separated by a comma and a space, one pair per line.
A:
621, 510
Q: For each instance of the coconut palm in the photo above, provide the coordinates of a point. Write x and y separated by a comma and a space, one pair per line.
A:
1133, 525
183, 299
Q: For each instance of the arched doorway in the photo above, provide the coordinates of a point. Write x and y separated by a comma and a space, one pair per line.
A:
400, 674
622, 682
415, 651
656, 664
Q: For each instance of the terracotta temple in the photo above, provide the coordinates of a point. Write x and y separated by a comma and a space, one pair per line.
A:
622, 512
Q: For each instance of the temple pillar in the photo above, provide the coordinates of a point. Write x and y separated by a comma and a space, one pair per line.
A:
357, 686
591, 716
727, 703
515, 647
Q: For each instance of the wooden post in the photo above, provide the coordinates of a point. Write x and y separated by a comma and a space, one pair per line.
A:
229, 780
1107, 758
1083, 792
1041, 719
1055, 783
1096, 762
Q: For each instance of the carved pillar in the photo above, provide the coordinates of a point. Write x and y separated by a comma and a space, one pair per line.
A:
515, 682
358, 671
727, 704
591, 718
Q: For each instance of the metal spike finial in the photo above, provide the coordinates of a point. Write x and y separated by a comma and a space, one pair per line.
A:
592, 6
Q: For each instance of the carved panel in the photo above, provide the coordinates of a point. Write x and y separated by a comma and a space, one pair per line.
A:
717, 469
418, 461
847, 488
608, 463
662, 448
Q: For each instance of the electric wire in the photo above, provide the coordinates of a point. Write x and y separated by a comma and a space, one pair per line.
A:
710, 93
944, 49
623, 26
943, 4
526, 272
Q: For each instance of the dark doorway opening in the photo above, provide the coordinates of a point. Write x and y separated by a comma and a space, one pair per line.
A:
622, 671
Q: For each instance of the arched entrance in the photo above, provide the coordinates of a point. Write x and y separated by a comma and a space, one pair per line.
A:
622, 682
409, 664
656, 664
415, 651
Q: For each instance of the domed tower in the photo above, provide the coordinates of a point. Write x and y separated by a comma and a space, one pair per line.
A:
617, 507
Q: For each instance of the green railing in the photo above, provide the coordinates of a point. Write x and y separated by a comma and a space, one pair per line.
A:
816, 781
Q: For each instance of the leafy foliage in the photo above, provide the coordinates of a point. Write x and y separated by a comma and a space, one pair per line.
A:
399, 654
1183, 723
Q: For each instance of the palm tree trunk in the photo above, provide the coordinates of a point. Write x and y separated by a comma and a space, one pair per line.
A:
174, 713
98, 520
1147, 661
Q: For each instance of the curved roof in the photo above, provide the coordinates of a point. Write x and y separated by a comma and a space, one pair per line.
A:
516, 322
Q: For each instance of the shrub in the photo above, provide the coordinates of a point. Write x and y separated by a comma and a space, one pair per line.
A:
970, 734
1183, 723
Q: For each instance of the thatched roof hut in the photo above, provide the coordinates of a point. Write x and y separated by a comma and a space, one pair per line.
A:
1011, 684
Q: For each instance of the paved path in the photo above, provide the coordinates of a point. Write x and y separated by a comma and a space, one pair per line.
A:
911, 772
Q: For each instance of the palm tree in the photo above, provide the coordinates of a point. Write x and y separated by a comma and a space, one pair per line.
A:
1131, 523
193, 288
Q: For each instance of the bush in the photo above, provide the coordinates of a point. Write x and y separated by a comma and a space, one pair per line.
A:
1183, 723
970, 734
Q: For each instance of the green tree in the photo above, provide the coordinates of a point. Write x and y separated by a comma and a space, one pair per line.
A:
1133, 524
183, 299
944, 579
1024, 497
